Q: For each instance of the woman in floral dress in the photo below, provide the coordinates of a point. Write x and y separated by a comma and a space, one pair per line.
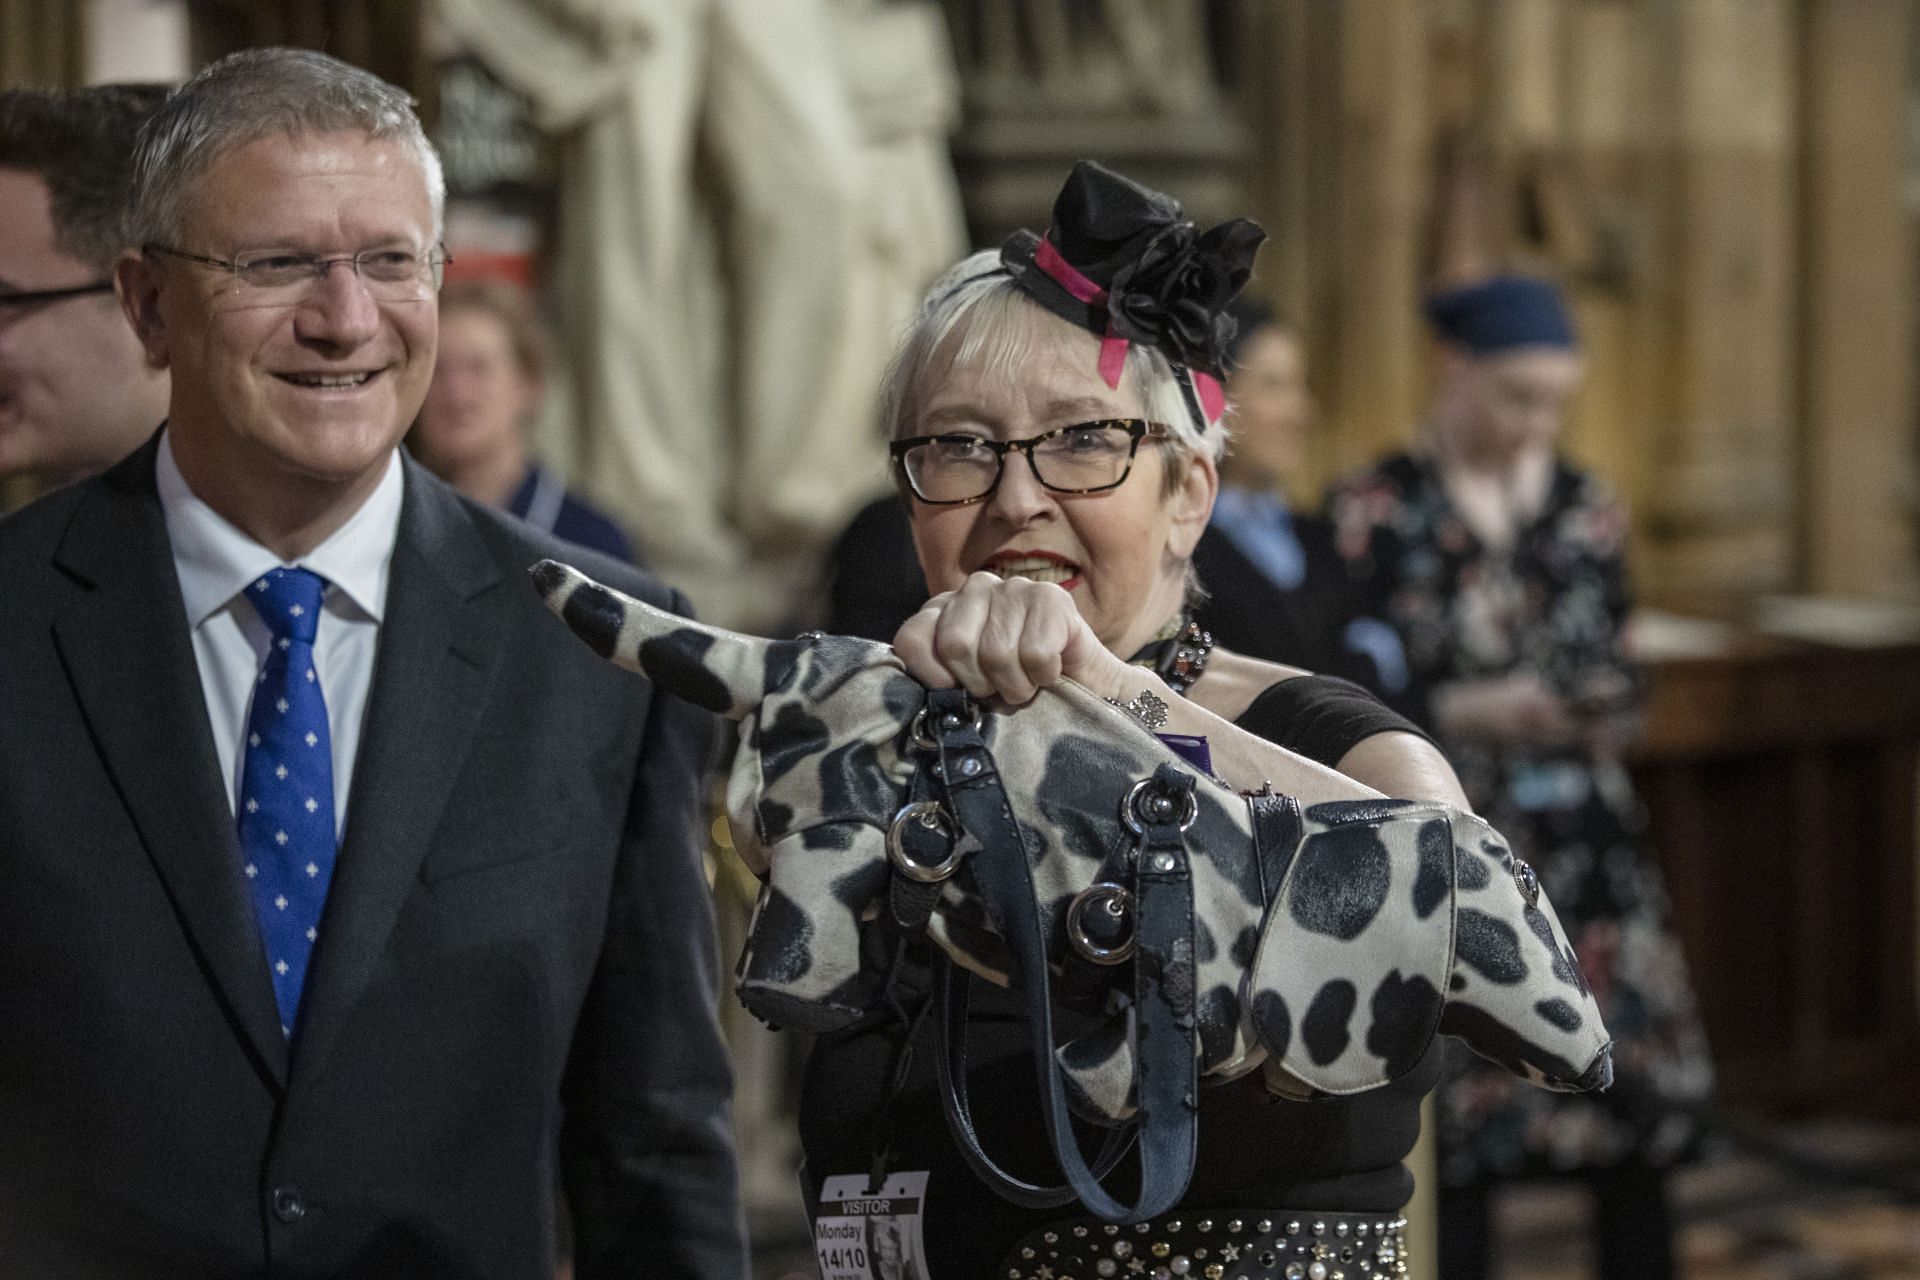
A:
1502, 568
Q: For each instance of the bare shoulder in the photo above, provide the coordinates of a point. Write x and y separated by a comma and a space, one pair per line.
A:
1233, 680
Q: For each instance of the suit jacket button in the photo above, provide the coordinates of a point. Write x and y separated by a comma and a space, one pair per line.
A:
288, 1204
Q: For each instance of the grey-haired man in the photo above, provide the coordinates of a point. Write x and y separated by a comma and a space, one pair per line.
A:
347, 903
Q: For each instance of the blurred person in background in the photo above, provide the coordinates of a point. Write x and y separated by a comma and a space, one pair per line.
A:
77, 393
1502, 566
1275, 587
473, 430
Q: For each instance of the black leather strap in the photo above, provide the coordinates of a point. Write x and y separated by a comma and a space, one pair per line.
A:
1276, 835
1167, 1083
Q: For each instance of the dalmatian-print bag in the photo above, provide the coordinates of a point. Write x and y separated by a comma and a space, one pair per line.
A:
1063, 849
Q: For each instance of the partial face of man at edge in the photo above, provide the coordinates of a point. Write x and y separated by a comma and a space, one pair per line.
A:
306, 397
71, 372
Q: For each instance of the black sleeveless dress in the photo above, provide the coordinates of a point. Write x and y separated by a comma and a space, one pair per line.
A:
1256, 1151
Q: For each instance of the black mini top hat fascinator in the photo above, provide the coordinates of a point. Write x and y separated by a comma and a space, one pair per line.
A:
1122, 261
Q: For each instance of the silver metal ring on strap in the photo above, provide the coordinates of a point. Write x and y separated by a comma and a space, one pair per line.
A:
1239, 1244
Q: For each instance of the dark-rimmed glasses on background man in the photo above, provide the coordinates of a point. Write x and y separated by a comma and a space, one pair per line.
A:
20, 303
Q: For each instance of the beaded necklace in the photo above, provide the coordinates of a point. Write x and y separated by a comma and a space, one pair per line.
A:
1179, 655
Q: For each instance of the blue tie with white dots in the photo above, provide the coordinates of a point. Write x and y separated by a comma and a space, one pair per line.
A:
286, 788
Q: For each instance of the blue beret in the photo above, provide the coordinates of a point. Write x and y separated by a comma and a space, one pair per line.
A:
1502, 313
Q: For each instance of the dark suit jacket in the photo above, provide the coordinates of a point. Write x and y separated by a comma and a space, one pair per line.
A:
516, 964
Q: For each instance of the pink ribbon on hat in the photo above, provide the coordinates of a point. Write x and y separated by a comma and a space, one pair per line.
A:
1113, 347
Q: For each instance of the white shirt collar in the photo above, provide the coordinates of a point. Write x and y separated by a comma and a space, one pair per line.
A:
216, 561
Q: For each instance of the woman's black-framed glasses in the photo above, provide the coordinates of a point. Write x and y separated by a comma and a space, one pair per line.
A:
1087, 457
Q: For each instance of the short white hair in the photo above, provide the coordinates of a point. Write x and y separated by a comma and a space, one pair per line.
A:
254, 94
994, 316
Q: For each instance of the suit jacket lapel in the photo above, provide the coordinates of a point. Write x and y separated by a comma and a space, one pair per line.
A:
438, 654
130, 659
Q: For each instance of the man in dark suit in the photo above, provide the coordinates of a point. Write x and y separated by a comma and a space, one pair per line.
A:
348, 904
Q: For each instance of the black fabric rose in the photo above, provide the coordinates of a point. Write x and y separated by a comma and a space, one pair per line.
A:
1175, 294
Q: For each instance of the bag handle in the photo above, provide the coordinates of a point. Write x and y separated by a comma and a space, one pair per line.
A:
1165, 987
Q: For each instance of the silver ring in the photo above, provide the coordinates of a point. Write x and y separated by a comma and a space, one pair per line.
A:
1129, 808
926, 741
932, 816
1114, 900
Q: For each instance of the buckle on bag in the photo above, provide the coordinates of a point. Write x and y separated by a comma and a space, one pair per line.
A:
1100, 924
927, 815
1147, 805
925, 740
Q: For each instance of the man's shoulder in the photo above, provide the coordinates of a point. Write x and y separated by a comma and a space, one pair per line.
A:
516, 546
30, 536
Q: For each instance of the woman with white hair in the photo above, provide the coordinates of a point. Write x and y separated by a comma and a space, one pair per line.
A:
1055, 420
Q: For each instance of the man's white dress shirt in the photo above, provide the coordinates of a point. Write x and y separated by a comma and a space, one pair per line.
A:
216, 562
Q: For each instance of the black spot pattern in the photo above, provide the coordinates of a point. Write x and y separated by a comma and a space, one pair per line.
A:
1324, 1029
1216, 831
795, 735
837, 836
854, 785
1491, 1038
595, 616
1559, 1013
1458, 982
1079, 794
676, 663
862, 886
1564, 967
783, 657
547, 576
776, 821
902, 696
1204, 948
1406, 1013
1340, 881
835, 659
1470, 872
782, 941
1245, 945
1490, 946
1431, 884
1272, 1022
1219, 1016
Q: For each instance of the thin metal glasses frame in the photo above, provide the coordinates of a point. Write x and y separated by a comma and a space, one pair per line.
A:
435, 261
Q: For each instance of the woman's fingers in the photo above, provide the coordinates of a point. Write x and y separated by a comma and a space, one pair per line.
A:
913, 645
956, 639
1004, 638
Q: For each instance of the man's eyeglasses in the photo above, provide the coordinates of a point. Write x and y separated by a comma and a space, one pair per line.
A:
1087, 457
274, 276
20, 303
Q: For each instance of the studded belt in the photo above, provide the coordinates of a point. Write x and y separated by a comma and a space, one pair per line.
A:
1289, 1244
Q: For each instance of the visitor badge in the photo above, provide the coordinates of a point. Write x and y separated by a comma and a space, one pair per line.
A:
871, 1237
